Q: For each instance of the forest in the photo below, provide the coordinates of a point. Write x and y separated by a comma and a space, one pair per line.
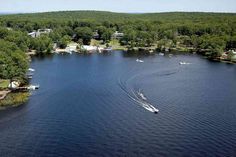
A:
206, 33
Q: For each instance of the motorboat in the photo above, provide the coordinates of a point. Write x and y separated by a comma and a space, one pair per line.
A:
33, 87
183, 63
68, 50
139, 60
108, 49
31, 69
100, 49
155, 111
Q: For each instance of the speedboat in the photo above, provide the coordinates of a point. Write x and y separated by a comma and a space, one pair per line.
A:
139, 60
108, 49
155, 111
30, 69
183, 63
100, 49
33, 87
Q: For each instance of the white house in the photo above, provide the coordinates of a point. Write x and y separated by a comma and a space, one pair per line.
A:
96, 35
32, 34
14, 85
234, 57
37, 33
117, 35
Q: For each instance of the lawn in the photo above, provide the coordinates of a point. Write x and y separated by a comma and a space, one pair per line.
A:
4, 83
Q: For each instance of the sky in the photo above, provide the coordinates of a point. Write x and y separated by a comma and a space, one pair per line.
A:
129, 6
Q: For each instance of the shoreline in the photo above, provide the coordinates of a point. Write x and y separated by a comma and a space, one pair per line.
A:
10, 98
14, 99
222, 61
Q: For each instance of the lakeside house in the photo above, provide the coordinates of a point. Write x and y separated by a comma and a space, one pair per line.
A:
117, 35
89, 48
14, 85
229, 55
39, 32
224, 56
234, 56
32, 34
72, 47
96, 35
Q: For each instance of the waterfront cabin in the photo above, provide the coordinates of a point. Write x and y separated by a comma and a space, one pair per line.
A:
117, 35
32, 34
230, 55
39, 32
224, 56
96, 35
234, 56
89, 48
14, 85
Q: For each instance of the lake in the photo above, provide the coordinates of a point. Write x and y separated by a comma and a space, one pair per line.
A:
103, 104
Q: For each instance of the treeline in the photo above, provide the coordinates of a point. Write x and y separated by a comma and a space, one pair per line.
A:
13, 59
212, 32
208, 33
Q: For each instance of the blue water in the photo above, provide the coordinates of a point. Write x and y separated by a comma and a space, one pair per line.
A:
87, 106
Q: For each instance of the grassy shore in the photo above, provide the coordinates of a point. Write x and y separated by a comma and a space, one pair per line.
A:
4, 84
14, 99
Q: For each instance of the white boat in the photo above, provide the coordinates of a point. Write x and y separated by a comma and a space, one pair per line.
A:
183, 63
29, 74
33, 87
100, 49
155, 110
31, 69
152, 109
108, 49
161, 54
89, 48
68, 50
139, 60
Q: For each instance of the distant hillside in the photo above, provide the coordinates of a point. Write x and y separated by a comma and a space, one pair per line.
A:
210, 34
114, 17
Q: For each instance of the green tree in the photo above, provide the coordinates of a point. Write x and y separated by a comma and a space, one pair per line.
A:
106, 35
231, 43
42, 45
130, 37
64, 41
13, 61
84, 33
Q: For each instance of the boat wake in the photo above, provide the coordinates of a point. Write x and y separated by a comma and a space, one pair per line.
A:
129, 87
138, 97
